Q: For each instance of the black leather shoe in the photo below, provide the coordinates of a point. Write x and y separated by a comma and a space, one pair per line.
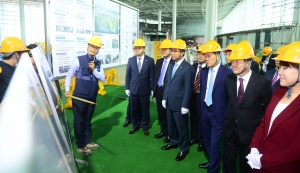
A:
169, 146
200, 148
134, 130
160, 135
167, 139
146, 132
181, 155
192, 142
204, 165
126, 123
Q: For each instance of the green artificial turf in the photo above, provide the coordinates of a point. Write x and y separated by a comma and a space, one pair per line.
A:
121, 152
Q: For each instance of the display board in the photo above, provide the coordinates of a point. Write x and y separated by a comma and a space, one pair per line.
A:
35, 136
71, 29
128, 32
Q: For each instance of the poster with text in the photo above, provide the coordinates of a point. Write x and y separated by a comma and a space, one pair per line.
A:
71, 27
107, 28
128, 33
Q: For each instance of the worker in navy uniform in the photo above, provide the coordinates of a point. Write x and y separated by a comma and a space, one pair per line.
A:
88, 71
12, 47
158, 87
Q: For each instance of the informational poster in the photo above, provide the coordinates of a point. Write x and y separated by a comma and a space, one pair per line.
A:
128, 32
107, 28
157, 52
71, 29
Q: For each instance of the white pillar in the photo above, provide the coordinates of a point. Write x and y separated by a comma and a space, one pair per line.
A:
296, 18
174, 16
22, 21
159, 20
47, 32
211, 19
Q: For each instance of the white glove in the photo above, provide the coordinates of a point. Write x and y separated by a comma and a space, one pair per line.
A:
164, 103
184, 110
127, 92
152, 93
254, 151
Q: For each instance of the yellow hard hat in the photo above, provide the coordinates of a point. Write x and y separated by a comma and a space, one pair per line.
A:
212, 46
201, 48
165, 44
139, 43
178, 44
266, 51
229, 47
12, 44
44, 47
243, 50
290, 54
96, 41
281, 50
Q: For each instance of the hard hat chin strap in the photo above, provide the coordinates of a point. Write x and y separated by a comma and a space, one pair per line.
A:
290, 87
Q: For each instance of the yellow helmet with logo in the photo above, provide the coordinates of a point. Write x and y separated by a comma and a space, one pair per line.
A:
229, 47
266, 51
178, 44
44, 47
212, 46
139, 43
201, 48
243, 50
290, 54
165, 44
12, 44
96, 41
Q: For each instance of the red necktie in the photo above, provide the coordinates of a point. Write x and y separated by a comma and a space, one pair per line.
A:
197, 81
241, 91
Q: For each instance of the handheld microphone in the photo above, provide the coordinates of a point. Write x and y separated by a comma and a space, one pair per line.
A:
91, 60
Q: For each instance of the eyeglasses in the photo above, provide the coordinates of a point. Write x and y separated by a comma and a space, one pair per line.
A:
164, 49
175, 50
94, 47
137, 48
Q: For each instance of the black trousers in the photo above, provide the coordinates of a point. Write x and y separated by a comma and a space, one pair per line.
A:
140, 102
161, 111
196, 119
231, 147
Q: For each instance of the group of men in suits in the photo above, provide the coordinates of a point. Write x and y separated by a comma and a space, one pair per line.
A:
221, 100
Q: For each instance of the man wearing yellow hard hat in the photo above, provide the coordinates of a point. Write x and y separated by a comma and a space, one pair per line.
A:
11, 48
88, 71
248, 96
177, 97
159, 87
195, 116
267, 63
213, 103
227, 53
138, 82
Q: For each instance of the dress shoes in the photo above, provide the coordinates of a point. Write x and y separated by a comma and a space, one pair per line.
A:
181, 155
126, 123
160, 135
200, 148
134, 130
204, 165
192, 142
167, 139
146, 132
169, 146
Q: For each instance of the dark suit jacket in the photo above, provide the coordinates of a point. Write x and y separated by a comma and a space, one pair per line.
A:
280, 147
248, 114
178, 90
254, 67
219, 95
269, 75
140, 82
158, 68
